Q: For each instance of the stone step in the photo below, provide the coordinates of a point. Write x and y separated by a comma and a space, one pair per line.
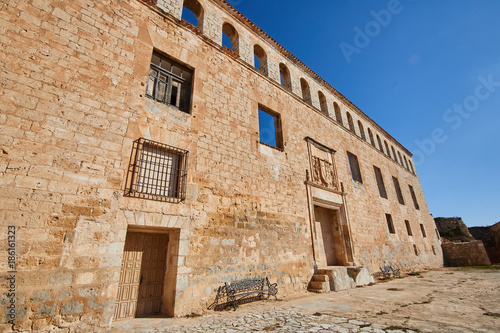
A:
319, 286
320, 278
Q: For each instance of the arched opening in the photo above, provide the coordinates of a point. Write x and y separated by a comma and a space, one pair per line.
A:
285, 79
380, 147
370, 136
230, 38
406, 163
338, 114
387, 150
361, 130
411, 167
322, 103
260, 59
394, 157
400, 159
192, 12
350, 122
306, 92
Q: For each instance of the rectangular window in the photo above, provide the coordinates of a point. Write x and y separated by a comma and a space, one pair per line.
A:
408, 228
354, 166
414, 197
169, 82
157, 171
423, 230
270, 128
390, 224
398, 190
380, 182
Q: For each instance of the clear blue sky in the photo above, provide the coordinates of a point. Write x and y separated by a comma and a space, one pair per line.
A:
427, 71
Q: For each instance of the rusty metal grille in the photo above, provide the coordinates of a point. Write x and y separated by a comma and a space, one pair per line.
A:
157, 171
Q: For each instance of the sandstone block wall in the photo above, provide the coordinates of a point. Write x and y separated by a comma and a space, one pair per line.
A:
490, 236
465, 254
73, 79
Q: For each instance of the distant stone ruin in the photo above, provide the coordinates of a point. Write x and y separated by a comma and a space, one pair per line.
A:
460, 248
490, 236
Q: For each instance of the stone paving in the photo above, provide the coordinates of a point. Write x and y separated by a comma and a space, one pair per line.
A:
444, 301
284, 319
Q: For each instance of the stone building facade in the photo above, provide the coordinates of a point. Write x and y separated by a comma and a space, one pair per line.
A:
143, 164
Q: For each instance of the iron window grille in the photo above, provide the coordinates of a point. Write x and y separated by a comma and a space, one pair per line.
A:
169, 83
157, 172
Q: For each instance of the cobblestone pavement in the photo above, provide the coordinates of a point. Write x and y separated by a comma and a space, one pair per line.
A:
279, 320
444, 301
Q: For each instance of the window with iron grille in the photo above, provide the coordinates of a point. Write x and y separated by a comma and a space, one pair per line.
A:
169, 82
157, 171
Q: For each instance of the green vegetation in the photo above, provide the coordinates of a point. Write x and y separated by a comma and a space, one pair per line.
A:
395, 289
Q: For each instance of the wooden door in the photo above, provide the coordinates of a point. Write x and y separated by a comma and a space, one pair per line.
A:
152, 275
140, 289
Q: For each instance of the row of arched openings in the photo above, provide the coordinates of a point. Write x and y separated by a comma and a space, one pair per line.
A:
193, 13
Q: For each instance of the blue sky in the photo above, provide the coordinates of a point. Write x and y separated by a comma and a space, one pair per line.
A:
427, 71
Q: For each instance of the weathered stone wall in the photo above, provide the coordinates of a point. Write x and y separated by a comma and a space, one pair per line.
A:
73, 78
453, 229
470, 253
490, 236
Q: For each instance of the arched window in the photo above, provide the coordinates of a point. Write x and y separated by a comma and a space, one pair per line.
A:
387, 151
192, 12
260, 59
338, 114
394, 157
350, 122
380, 147
411, 167
286, 80
230, 38
400, 159
306, 92
370, 135
361, 130
322, 103
406, 163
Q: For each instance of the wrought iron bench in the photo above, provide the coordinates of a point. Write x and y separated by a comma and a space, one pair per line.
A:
245, 290
387, 271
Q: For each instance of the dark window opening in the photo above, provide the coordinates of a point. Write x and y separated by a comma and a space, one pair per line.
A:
398, 190
285, 78
380, 182
322, 103
361, 130
157, 171
270, 128
350, 123
338, 114
380, 147
408, 228
414, 197
423, 230
390, 224
306, 92
354, 166
169, 82
370, 135
415, 249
